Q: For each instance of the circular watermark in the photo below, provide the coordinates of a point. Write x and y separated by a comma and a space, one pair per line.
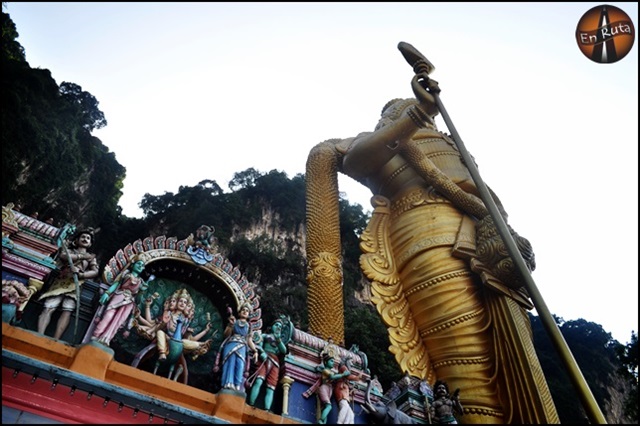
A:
605, 34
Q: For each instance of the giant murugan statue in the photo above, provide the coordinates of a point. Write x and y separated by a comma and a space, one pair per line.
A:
435, 268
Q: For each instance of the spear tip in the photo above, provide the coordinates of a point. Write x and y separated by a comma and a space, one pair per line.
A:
416, 59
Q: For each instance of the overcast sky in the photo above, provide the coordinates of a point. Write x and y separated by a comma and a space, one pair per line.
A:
195, 91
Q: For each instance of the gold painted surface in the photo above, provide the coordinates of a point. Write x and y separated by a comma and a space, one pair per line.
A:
324, 260
447, 315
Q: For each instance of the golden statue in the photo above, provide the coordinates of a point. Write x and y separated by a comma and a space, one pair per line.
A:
454, 308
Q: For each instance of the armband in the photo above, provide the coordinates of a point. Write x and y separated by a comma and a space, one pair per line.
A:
418, 116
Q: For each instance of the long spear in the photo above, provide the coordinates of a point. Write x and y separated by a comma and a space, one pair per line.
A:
423, 67
67, 230
77, 283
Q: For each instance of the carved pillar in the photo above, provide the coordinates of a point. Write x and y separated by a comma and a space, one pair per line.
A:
286, 386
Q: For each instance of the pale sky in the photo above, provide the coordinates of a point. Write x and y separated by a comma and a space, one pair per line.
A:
195, 91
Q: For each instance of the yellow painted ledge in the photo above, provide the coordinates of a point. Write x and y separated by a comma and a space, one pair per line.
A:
90, 360
36, 346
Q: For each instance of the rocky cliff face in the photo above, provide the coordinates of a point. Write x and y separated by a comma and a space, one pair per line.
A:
269, 228
364, 295
613, 409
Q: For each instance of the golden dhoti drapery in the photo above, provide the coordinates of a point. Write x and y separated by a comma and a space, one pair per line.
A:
444, 322
447, 303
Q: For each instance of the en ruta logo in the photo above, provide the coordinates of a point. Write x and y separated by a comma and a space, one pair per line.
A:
605, 34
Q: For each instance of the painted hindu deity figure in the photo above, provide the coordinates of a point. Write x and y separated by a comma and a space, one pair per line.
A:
179, 307
236, 350
119, 301
77, 264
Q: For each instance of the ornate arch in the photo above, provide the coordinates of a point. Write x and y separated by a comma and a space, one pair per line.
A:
161, 248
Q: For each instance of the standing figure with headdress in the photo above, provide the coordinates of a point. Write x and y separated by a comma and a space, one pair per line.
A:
273, 345
450, 314
120, 300
323, 387
444, 405
234, 350
343, 391
78, 262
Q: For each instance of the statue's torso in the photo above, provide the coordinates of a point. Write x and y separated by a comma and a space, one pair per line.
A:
396, 177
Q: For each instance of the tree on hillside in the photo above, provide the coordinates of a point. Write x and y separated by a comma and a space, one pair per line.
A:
595, 353
628, 355
12, 50
51, 164
90, 117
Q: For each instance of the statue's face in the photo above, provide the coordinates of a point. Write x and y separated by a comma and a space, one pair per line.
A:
393, 110
173, 302
182, 304
276, 328
244, 312
138, 266
189, 309
84, 240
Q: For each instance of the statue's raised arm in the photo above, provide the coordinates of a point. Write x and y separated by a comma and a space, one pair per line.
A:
450, 312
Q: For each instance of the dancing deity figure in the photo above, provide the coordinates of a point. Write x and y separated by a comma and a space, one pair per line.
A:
448, 315
181, 311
